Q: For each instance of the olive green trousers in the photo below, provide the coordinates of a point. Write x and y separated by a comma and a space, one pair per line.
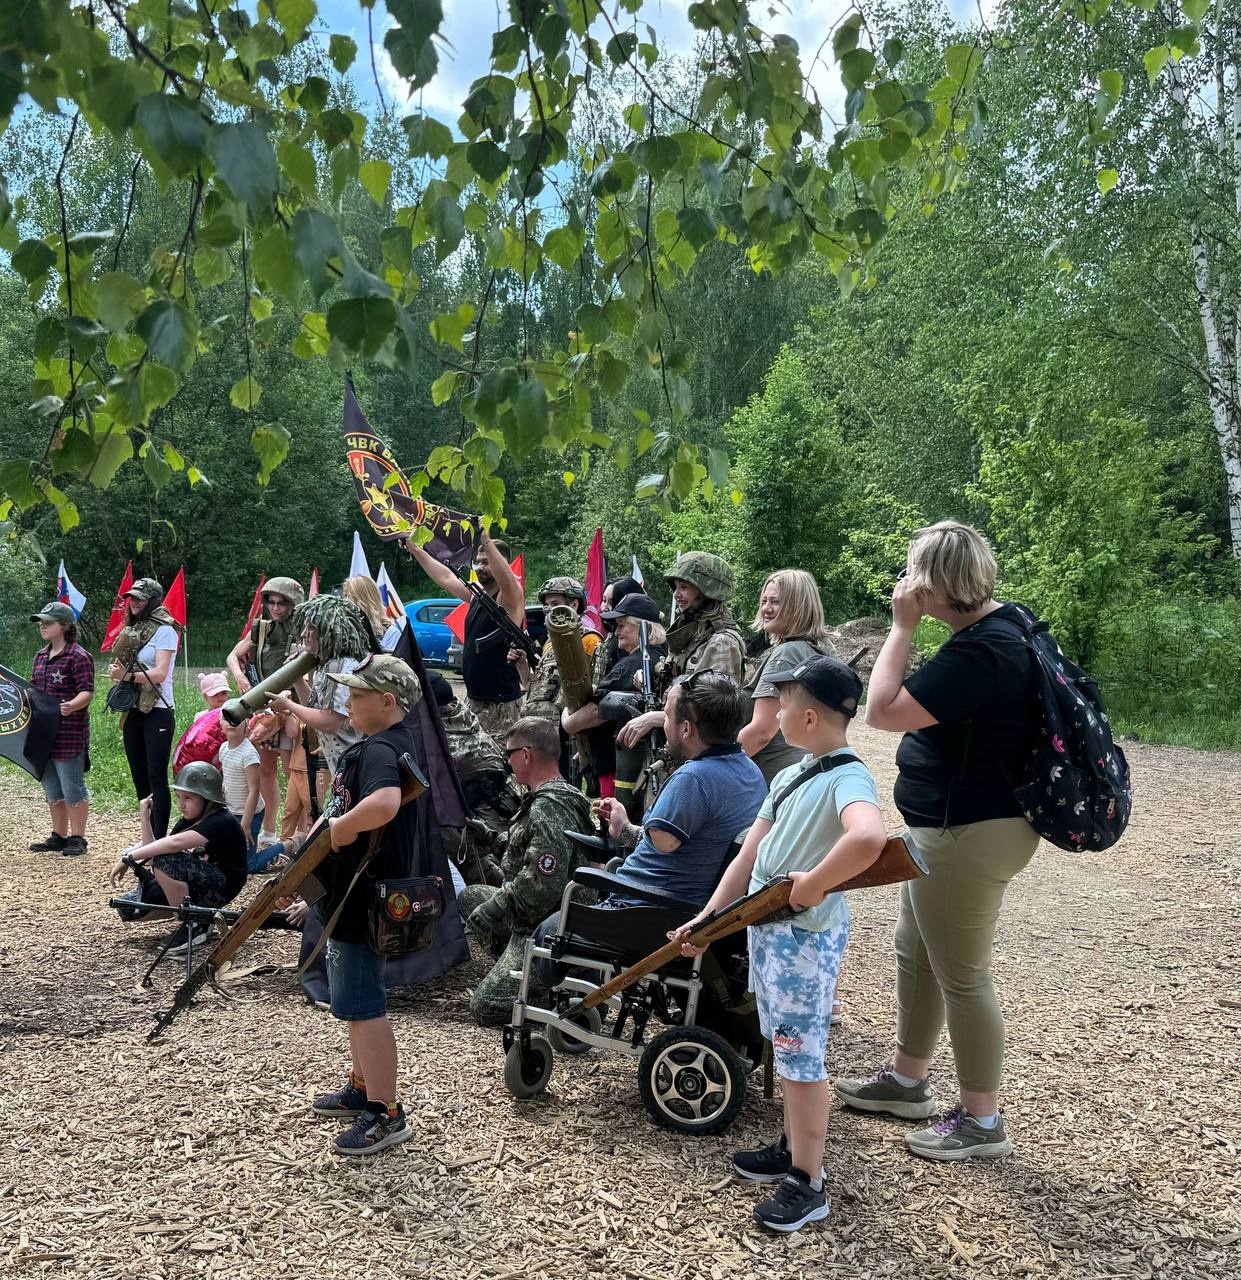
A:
944, 937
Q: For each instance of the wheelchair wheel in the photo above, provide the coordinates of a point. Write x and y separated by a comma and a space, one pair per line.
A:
691, 1080
528, 1068
588, 1019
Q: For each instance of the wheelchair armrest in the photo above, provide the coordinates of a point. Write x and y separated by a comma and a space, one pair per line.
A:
597, 848
609, 882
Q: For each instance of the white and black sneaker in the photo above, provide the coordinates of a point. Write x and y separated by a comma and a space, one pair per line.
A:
186, 936
376, 1129
767, 1164
795, 1203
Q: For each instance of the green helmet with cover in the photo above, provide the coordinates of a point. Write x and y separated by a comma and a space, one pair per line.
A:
290, 588
710, 573
563, 585
201, 779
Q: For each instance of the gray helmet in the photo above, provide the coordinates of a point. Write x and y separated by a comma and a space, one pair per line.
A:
290, 588
563, 586
709, 573
147, 589
201, 779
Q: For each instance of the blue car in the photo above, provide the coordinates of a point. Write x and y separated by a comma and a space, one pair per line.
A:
433, 636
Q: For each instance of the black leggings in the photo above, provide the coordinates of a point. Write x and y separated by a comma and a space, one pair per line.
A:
148, 745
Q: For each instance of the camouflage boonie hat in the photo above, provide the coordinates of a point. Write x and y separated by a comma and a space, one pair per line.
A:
709, 573
290, 588
383, 673
146, 589
563, 586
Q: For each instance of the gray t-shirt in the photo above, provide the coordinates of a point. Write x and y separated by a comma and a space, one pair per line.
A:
786, 655
329, 696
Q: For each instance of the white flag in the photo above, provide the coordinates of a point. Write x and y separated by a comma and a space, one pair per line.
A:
358, 568
67, 593
636, 574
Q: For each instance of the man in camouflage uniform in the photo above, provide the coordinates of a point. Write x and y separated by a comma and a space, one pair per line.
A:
491, 795
539, 860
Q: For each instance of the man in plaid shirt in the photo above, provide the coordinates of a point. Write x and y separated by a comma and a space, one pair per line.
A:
63, 669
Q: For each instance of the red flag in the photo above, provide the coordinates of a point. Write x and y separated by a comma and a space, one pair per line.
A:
455, 622
174, 598
596, 579
256, 606
116, 619
314, 584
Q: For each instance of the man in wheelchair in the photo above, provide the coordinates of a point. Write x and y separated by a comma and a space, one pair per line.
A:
686, 839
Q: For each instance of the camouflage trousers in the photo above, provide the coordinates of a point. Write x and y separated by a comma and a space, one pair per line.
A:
492, 1002
496, 717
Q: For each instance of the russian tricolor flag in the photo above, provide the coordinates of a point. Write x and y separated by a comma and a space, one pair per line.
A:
67, 593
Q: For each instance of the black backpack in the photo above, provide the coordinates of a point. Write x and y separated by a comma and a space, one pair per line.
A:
1076, 792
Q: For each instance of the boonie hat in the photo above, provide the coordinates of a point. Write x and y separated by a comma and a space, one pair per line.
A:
54, 611
635, 605
828, 680
383, 673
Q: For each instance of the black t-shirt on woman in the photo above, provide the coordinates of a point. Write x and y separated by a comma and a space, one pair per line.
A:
979, 686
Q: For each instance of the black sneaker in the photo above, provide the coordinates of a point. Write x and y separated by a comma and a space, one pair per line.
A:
49, 844
75, 846
795, 1203
347, 1101
767, 1164
373, 1131
186, 936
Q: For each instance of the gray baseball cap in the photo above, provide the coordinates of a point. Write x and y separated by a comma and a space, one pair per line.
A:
55, 611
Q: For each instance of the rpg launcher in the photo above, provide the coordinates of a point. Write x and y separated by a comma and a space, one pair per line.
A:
896, 863
505, 628
314, 849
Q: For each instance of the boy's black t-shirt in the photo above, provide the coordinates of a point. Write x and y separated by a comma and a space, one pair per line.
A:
980, 687
367, 767
226, 845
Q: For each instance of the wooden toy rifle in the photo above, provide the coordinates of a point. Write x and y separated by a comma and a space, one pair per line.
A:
314, 849
896, 863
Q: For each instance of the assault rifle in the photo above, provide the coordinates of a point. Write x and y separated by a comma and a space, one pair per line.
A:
505, 628
315, 848
895, 863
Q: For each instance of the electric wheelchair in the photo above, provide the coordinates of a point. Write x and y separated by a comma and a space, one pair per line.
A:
692, 1026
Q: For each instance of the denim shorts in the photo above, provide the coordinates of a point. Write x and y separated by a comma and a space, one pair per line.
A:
355, 977
64, 781
793, 975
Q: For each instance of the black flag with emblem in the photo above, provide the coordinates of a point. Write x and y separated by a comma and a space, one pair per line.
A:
389, 507
29, 722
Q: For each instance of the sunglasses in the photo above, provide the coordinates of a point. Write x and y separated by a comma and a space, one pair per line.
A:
511, 751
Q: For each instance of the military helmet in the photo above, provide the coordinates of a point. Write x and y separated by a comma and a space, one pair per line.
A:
201, 779
563, 586
290, 588
147, 589
709, 573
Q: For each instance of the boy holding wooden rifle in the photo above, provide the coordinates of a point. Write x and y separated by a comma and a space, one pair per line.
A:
820, 825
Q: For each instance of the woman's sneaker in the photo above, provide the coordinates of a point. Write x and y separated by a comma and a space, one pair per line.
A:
795, 1203
376, 1129
346, 1102
49, 844
767, 1164
75, 847
883, 1093
958, 1136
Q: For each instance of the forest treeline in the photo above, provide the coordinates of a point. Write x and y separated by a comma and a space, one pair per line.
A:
1012, 365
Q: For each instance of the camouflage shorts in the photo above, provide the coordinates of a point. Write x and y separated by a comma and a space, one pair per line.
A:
496, 717
793, 975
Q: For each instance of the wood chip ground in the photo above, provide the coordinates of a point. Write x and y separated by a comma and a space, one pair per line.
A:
198, 1156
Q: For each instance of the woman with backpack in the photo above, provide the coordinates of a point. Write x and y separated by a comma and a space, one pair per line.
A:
970, 719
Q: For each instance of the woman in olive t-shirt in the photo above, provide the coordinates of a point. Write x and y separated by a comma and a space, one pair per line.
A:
790, 615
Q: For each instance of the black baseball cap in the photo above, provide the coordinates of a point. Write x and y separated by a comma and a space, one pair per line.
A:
828, 680
635, 605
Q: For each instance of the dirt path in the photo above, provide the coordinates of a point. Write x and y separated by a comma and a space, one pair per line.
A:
1119, 975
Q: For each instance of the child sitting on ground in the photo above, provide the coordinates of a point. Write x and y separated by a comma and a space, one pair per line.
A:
203, 858
820, 825
241, 766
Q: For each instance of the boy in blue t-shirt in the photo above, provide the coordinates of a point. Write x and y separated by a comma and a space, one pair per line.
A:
820, 825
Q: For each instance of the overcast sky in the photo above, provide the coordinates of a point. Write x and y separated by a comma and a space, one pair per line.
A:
470, 24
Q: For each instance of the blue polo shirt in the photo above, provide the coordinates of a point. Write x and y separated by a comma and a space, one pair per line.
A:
706, 804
